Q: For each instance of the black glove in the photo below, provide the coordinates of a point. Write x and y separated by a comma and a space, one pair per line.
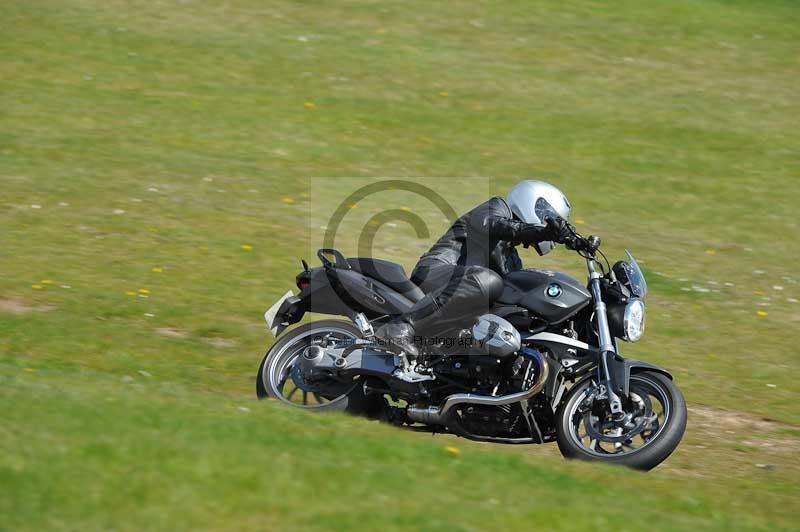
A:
558, 231
528, 234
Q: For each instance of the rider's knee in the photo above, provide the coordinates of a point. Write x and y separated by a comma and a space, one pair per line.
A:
490, 282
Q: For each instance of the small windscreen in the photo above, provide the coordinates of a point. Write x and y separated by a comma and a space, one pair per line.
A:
636, 277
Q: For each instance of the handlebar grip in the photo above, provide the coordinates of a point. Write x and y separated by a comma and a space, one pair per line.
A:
553, 221
590, 244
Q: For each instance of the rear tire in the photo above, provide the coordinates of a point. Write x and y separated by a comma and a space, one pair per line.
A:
647, 456
354, 402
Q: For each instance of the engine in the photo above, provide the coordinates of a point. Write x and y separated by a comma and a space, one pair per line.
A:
492, 375
491, 341
475, 372
504, 421
495, 336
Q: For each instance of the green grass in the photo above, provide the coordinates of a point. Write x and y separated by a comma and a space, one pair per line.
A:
168, 135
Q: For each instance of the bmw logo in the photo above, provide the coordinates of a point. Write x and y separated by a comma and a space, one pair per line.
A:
554, 290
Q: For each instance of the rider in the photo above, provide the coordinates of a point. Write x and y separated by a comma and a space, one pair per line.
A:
462, 274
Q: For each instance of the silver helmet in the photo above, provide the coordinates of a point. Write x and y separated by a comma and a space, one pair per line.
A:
534, 201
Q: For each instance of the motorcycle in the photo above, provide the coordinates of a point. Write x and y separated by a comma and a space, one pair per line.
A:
543, 365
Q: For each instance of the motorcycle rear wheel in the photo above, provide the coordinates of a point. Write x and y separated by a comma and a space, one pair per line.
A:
277, 380
657, 401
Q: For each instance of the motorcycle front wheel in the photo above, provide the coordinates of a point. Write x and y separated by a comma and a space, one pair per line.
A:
654, 423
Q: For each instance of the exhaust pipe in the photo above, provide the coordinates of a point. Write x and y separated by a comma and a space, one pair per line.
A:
437, 415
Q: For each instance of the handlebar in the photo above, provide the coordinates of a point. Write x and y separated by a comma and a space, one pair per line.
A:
588, 244
573, 240
593, 243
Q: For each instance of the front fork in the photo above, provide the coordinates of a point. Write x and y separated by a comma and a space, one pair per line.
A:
608, 350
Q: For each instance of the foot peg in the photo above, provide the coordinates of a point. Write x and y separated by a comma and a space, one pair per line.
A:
364, 325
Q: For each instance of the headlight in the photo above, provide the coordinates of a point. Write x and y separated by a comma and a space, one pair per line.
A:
633, 320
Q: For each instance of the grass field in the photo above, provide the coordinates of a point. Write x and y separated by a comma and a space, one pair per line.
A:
157, 165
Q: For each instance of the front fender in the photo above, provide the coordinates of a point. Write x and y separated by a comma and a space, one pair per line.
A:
621, 369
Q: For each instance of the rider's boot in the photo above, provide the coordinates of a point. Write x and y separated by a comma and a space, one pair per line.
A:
401, 332
399, 336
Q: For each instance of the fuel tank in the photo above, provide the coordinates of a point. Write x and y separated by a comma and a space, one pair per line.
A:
551, 296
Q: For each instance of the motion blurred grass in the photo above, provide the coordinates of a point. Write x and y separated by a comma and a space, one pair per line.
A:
145, 145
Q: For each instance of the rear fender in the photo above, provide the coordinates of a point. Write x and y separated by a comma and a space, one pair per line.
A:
287, 310
317, 296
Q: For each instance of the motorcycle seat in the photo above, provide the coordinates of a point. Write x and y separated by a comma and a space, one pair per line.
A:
389, 273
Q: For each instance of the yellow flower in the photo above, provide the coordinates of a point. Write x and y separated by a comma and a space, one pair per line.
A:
762, 313
46, 281
455, 451
443, 94
36, 286
288, 201
247, 247
130, 293
711, 252
156, 269
580, 222
144, 291
309, 105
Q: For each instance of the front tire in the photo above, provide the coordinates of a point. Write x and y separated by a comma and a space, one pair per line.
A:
275, 378
577, 430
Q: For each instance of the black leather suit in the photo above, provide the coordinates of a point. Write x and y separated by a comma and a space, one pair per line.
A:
462, 274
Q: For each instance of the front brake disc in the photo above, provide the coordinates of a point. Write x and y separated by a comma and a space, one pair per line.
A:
641, 424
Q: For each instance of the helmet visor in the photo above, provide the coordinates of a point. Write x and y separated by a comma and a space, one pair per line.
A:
544, 210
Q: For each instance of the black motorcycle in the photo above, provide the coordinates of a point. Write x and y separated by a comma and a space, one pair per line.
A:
542, 366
